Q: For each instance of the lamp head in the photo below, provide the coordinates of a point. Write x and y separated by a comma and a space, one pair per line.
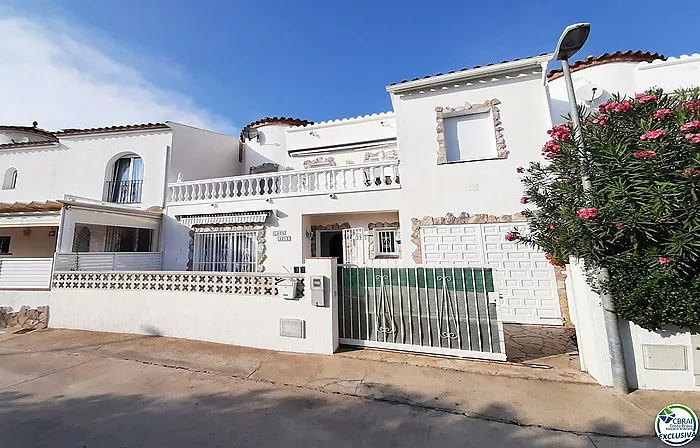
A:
571, 40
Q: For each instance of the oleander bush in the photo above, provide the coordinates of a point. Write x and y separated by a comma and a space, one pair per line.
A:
641, 217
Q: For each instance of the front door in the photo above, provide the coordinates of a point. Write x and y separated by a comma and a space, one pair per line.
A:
331, 244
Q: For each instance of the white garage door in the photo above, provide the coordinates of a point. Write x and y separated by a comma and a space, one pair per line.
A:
525, 278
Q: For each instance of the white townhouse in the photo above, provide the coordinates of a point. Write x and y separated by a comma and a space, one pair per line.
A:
94, 196
433, 183
413, 203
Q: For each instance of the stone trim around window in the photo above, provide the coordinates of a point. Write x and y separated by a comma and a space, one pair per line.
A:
319, 162
229, 228
336, 226
442, 112
383, 225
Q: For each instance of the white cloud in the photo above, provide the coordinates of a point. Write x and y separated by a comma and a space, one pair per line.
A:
57, 76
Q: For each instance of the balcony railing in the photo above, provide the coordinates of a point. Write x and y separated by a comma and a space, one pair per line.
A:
338, 179
123, 191
108, 261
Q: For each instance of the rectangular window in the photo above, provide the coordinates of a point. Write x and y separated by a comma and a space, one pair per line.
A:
97, 238
385, 242
226, 251
4, 244
470, 137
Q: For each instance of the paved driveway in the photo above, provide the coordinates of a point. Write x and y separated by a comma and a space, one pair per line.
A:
77, 389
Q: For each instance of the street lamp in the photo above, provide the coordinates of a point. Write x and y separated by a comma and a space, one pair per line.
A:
570, 42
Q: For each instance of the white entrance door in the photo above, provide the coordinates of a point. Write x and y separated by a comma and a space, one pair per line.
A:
526, 282
353, 246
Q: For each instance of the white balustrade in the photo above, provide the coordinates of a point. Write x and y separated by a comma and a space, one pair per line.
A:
347, 178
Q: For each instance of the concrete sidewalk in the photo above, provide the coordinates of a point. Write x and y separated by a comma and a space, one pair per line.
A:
515, 395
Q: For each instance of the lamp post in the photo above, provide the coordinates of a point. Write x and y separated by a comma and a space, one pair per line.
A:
570, 42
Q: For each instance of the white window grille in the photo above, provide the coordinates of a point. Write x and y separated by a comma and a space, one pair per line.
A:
385, 242
225, 251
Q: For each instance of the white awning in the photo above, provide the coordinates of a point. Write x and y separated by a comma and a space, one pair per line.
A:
258, 217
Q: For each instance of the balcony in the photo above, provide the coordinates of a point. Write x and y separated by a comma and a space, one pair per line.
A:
123, 192
375, 176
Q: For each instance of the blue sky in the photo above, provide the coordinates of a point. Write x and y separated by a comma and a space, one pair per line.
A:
235, 61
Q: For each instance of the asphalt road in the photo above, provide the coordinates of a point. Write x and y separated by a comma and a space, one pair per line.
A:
59, 399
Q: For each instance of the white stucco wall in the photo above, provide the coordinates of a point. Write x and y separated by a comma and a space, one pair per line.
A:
616, 77
594, 352
486, 186
18, 299
270, 148
627, 79
199, 154
38, 244
80, 164
252, 321
671, 74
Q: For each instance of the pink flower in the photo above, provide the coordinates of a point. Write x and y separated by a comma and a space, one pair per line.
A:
623, 107
520, 169
652, 135
551, 146
692, 105
646, 98
619, 225
690, 125
552, 226
664, 260
695, 138
600, 120
523, 200
644, 154
551, 155
662, 113
588, 213
509, 236
560, 132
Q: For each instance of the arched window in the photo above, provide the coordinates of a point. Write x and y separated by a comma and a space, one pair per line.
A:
126, 180
10, 180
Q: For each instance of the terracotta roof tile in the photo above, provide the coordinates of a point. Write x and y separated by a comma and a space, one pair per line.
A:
465, 69
29, 144
49, 137
108, 129
606, 58
289, 121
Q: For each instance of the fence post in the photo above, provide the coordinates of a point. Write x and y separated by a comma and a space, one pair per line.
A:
328, 268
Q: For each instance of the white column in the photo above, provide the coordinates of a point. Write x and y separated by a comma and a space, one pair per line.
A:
324, 326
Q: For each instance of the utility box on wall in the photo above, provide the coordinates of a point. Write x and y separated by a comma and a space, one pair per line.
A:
318, 291
665, 357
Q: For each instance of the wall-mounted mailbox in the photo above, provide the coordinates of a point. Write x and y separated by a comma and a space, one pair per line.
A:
287, 288
317, 291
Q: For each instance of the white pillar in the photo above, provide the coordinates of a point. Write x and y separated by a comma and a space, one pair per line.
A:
328, 269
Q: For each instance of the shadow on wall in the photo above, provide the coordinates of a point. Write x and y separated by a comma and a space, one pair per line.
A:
150, 330
211, 411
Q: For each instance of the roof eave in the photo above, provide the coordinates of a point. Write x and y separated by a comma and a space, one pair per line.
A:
473, 73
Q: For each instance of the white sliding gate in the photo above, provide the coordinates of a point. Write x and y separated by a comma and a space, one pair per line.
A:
450, 311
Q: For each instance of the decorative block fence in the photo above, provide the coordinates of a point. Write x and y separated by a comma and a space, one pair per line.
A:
205, 282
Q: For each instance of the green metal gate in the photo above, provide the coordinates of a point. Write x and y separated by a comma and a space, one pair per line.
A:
450, 311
